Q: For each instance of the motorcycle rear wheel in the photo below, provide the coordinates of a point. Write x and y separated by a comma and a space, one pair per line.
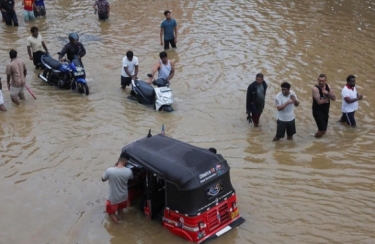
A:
83, 88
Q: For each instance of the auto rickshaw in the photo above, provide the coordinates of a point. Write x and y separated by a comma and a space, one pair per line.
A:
187, 188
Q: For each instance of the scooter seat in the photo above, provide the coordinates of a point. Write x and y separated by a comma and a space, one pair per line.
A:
53, 63
145, 88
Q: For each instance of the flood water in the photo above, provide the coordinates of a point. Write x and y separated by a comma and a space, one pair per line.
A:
55, 149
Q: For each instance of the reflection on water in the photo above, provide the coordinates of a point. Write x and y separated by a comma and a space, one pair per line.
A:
54, 149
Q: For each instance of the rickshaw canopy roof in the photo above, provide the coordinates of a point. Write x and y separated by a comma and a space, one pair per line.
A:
177, 162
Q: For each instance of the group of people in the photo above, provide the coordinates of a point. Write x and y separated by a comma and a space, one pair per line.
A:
129, 71
119, 175
164, 67
36, 48
31, 10
286, 100
16, 70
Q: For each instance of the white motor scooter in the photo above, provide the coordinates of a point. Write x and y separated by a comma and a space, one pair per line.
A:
161, 96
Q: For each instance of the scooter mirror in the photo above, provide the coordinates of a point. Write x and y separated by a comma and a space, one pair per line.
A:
149, 75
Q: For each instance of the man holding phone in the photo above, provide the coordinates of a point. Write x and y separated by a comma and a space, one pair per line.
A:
286, 100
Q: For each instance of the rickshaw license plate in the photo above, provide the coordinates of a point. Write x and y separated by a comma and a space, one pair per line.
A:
234, 214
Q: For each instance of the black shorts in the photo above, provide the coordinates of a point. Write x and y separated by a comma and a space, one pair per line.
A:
166, 44
321, 121
285, 126
126, 81
348, 118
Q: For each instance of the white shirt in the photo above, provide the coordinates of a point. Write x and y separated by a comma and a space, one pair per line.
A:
349, 107
130, 64
287, 114
1, 98
35, 43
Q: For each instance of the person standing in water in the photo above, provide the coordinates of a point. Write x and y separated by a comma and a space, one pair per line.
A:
129, 69
118, 177
255, 99
168, 30
322, 94
165, 68
285, 100
16, 77
40, 8
102, 6
350, 98
8, 12
35, 44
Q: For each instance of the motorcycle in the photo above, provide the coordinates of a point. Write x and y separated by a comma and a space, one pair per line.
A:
65, 75
160, 97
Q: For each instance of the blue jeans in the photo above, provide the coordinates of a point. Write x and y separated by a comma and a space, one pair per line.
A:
28, 15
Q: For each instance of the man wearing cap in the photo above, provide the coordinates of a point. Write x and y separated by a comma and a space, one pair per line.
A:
118, 177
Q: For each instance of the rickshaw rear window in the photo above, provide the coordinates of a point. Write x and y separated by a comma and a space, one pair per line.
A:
214, 190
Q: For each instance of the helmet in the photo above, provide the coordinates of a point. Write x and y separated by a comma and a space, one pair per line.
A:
73, 36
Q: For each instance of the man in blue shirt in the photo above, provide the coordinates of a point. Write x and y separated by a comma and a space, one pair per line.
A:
40, 9
168, 28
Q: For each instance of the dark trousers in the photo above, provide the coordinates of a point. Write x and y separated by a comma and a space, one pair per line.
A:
103, 15
39, 11
37, 58
9, 18
255, 117
166, 44
348, 118
321, 121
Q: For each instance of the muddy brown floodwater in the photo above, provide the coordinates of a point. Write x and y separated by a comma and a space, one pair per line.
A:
55, 149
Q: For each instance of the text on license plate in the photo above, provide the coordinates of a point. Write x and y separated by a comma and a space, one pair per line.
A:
164, 89
78, 73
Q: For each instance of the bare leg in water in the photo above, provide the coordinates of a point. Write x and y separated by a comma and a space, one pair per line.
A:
15, 100
2, 108
319, 134
114, 218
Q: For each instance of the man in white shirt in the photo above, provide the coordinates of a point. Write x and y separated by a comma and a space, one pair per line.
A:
350, 99
285, 102
129, 69
35, 44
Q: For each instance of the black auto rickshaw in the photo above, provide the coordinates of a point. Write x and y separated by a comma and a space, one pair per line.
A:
186, 187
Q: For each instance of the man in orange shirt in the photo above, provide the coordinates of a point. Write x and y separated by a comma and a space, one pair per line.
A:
28, 9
